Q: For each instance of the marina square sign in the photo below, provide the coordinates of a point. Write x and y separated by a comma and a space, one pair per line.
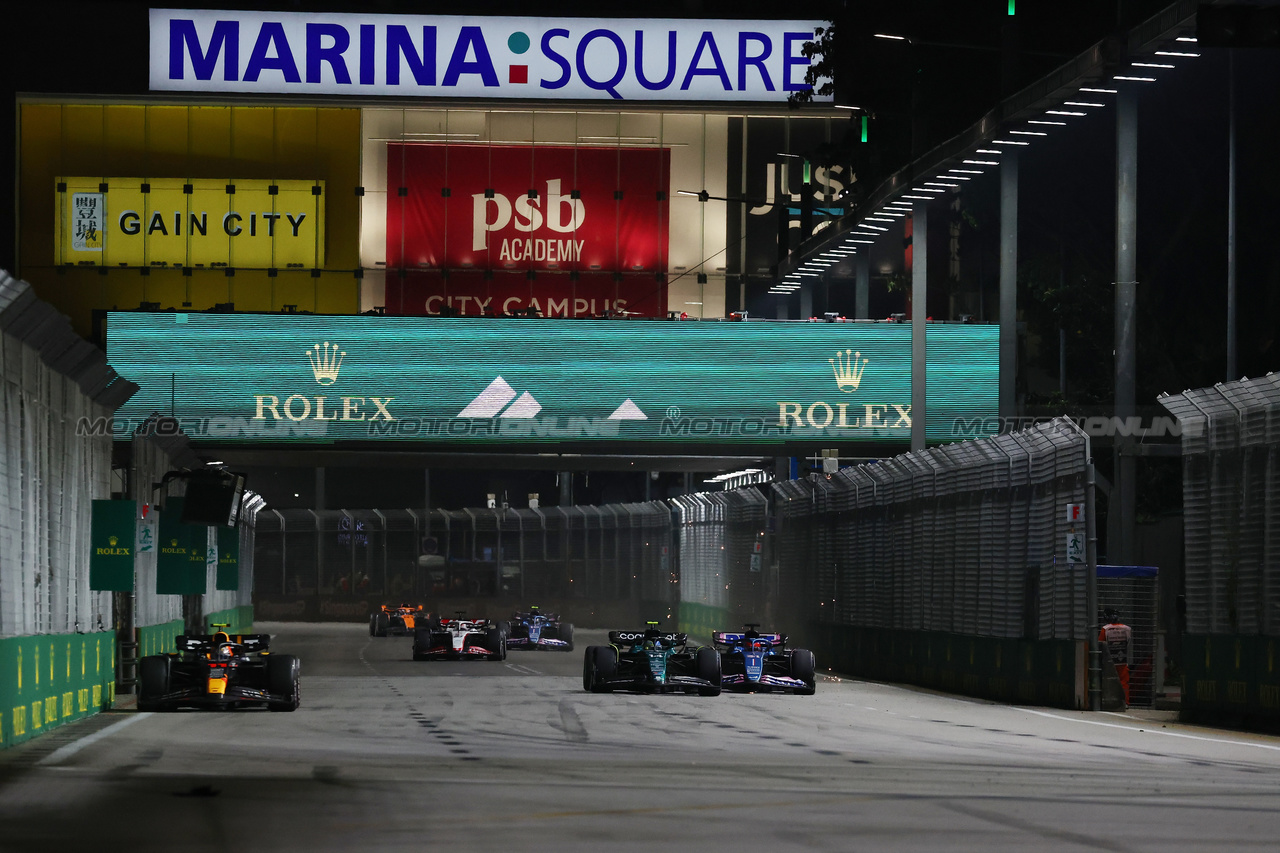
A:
308, 379
359, 54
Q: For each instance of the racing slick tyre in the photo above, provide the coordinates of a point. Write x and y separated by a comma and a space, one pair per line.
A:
284, 679
153, 681
504, 628
496, 642
708, 662
588, 671
373, 625
802, 668
381, 623
603, 664
566, 634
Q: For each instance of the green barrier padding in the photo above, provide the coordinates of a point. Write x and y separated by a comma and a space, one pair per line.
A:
158, 639
52, 679
239, 620
699, 620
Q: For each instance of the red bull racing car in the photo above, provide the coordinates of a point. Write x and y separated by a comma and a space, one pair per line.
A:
220, 671
457, 639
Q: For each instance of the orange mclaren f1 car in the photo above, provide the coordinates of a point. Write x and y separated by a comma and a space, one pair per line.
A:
400, 620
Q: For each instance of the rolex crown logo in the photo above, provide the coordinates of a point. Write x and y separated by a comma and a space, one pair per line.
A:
848, 367
113, 540
325, 363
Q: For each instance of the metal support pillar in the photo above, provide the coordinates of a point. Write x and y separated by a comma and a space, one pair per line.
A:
806, 303
862, 286
319, 531
919, 311
1008, 401
1091, 588
1123, 497
1232, 373
566, 488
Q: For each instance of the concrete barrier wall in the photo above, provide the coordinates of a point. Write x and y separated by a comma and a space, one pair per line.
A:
1031, 672
1233, 677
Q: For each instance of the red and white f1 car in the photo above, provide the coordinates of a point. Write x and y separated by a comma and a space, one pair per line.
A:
456, 639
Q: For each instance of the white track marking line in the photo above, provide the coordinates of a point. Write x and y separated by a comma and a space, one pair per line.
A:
1146, 729
522, 669
72, 748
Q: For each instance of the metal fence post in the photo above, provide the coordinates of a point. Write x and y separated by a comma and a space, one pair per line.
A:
1091, 587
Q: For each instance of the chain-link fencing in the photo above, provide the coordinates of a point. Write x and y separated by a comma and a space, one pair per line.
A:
611, 552
953, 539
720, 541
1231, 505
1231, 523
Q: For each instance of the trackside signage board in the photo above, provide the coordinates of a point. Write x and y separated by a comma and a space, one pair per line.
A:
111, 543
612, 59
464, 381
175, 222
528, 208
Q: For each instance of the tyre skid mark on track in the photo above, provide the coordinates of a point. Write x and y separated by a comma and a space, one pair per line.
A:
683, 809
570, 724
1047, 834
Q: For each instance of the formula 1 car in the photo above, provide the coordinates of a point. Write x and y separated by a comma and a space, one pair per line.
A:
397, 620
219, 671
752, 661
651, 661
456, 639
534, 629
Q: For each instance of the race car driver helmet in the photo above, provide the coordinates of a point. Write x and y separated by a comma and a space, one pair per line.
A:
220, 638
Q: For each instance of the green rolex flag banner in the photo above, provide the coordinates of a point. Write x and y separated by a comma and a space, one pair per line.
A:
228, 576
197, 559
111, 544
180, 563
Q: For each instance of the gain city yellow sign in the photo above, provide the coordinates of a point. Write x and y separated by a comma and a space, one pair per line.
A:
182, 222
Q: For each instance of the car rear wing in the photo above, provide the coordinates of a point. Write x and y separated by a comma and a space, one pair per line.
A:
202, 642
733, 638
630, 638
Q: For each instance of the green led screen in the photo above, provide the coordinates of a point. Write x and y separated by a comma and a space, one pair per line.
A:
475, 382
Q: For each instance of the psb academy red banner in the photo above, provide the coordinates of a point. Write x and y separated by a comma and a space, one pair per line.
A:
474, 229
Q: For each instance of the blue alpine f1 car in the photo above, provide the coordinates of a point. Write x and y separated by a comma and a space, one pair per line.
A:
533, 629
751, 661
651, 661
